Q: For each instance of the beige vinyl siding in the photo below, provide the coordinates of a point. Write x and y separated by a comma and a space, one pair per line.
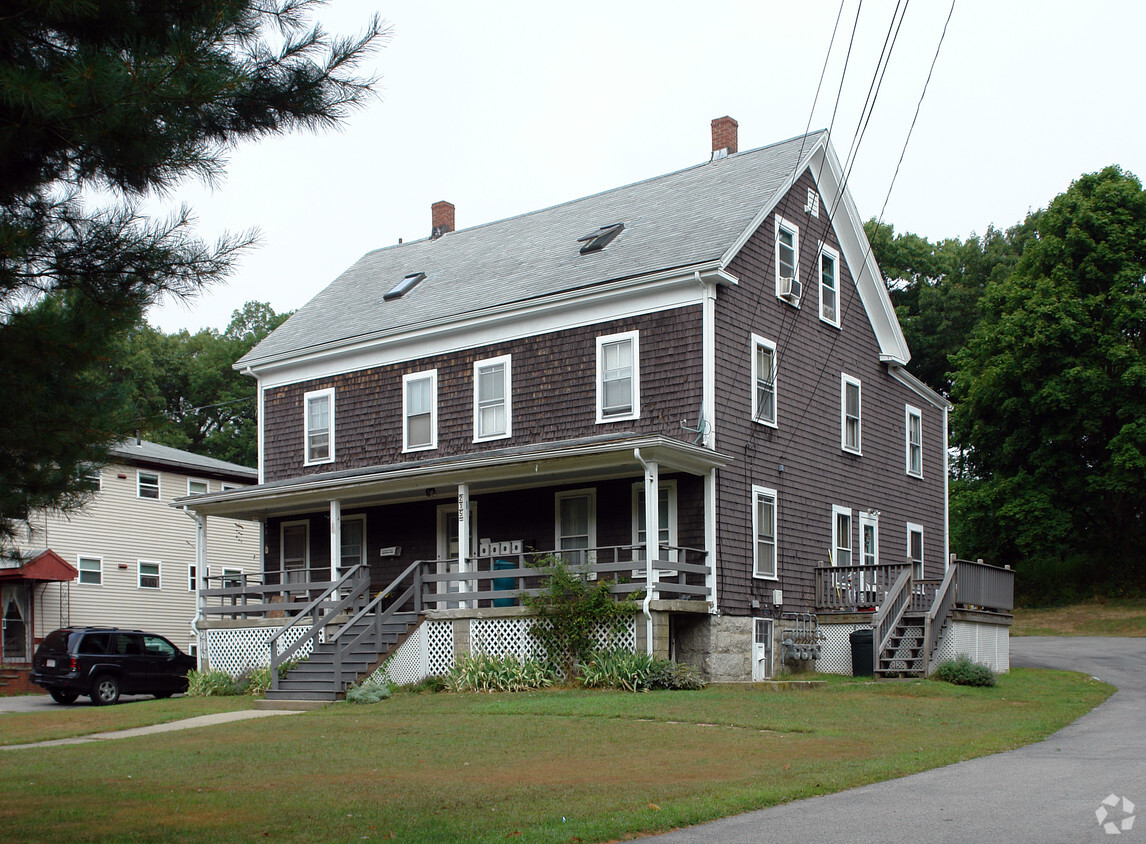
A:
122, 529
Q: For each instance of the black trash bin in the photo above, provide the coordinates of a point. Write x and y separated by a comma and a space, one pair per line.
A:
863, 652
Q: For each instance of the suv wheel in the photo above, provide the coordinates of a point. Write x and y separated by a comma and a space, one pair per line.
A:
63, 697
105, 690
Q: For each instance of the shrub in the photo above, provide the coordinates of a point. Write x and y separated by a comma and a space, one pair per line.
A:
368, 692
963, 672
210, 684
485, 673
637, 672
432, 684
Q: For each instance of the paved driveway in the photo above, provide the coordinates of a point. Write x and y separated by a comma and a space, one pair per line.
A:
1045, 792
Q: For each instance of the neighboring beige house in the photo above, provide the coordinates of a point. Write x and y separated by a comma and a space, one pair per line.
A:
132, 551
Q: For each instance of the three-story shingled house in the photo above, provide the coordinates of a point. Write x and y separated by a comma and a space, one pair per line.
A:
713, 350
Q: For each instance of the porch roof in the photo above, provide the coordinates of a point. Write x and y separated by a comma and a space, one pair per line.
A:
44, 565
518, 467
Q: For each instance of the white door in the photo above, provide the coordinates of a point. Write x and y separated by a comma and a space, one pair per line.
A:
448, 562
762, 649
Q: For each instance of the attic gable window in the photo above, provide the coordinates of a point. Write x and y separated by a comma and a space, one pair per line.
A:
597, 240
403, 287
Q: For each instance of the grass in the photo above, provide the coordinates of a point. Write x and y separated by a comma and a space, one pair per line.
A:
554, 766
69, 721
1098, 617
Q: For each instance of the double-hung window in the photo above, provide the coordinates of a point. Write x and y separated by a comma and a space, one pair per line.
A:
352, 543
913, 423
148, 485
850, 414
618, 377
763, 381
787, 261
420, 411
764, 533
841, 536
492, 399
91, 570
576, 524
666, 519
915, 549
148, 575
196, 487
319, 426
829, 285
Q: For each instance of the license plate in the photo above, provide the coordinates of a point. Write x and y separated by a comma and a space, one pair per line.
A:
51, 663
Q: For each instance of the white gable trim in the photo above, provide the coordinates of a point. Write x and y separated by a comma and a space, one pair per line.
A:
828, 175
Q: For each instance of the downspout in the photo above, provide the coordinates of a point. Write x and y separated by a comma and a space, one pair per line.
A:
946, 497
200, 573
652, 539
708, 361
250, 373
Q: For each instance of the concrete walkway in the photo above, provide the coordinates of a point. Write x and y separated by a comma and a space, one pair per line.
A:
1046, 792
184, 724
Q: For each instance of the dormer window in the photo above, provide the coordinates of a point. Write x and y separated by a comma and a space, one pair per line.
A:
597, 240
403, 287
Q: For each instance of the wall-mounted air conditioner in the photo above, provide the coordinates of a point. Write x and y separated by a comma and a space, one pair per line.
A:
789, 288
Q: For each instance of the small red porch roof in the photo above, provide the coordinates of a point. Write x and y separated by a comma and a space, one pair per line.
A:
44, 566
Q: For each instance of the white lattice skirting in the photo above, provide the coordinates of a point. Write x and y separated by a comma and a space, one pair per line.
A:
236, 649
836, 649
987, 644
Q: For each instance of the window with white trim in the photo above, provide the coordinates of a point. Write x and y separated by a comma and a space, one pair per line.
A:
850, 420
148, 575
420, 410
148, 485
352, 542
829, 285
764, 545
869, 537
787, 261
913, 426
232, 578
841, 536
191, 571
666, 519
319, 436
763, 381
493, 417
618, 377
915, 549
575, 521
91, 570
294, 551
197, 487
93, 480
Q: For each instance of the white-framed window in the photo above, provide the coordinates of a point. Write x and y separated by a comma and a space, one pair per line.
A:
147, 484
575, 522
764, 539
353, 542
420, 410
666, 519
850, 417
93, 480
841, 536
91, 571
788, 261
493, 399
232, 578
148, 575
869, 537
913, 426
192, 570
618, 377
829, 285
294, 551
319, 434
763, 381
197, 487
915, 549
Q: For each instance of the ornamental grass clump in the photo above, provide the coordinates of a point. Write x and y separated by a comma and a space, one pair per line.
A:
963, 672
486, 673
637, 672
211, 684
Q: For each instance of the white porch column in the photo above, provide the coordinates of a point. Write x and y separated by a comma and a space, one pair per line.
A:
200, 574
710, 535
652, 543
464, 533
335, 538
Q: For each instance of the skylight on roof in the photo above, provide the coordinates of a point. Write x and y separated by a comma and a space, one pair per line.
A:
404, 286
597, 240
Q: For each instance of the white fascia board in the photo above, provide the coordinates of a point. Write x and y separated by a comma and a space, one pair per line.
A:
918, 387
571, 309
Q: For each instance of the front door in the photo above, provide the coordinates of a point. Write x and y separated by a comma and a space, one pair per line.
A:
762, 649
14, 610
448, 547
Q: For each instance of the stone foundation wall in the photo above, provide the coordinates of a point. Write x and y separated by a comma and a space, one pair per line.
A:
720, 646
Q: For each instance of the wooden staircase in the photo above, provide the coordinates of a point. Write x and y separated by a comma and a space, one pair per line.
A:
905, 654
325, 674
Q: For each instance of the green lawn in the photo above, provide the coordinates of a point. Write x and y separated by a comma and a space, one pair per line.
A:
563, 765
1103, 617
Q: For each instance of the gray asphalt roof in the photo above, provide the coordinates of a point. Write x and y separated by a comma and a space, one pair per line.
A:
679, 219
177, 458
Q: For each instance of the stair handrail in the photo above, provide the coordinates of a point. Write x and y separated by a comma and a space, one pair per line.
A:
319, 621
890, 612
940, 613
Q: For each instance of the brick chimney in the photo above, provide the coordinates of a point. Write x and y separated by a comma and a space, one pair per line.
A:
441, 218
724, 137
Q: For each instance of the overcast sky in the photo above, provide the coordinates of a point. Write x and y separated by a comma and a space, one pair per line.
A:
506, 107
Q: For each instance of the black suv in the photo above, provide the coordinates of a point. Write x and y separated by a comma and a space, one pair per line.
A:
103, 662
